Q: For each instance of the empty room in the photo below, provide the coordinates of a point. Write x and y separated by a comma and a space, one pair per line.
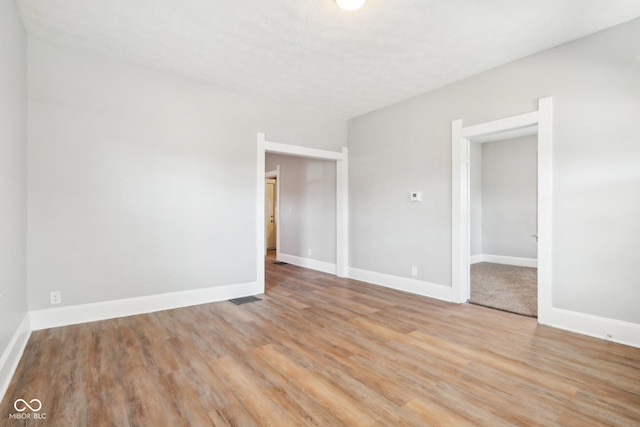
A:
319, 212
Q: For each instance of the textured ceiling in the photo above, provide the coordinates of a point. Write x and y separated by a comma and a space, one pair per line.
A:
311, 53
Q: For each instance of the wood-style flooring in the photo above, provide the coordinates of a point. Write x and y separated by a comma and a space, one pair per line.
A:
324, 351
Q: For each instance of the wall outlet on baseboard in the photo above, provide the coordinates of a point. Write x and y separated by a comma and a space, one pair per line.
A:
414, 271
56, 297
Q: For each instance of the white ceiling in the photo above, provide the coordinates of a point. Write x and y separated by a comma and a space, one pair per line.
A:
312, 54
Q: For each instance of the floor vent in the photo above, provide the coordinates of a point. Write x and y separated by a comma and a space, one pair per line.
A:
244, 300
280, 263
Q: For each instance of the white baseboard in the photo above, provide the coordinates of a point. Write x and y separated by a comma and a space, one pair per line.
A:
313, 264
414, 286
604, 328
71, 315
474, 259
507, 260
12, 354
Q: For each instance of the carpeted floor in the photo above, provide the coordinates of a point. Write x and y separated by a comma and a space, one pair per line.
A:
505, 287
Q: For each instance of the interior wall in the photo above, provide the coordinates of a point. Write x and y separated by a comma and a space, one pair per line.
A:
475, 198
142, 182
307, 206
509, 197
13, 139
595, 82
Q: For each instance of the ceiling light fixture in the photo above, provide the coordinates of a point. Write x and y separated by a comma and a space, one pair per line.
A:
350, 4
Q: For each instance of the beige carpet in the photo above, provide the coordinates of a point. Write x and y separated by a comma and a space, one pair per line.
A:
505, 287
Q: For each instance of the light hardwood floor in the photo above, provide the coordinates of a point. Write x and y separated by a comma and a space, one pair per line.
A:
325, 351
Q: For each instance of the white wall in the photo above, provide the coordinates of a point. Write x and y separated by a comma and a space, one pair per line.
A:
509, 197
595, 82
475, 198
13, 131
307, 206
142, 182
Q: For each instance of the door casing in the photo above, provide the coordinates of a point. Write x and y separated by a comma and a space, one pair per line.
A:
275, 174
342, 199
539, 121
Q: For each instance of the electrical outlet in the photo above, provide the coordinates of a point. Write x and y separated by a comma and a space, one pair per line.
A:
414, 271
309, 251
56, 297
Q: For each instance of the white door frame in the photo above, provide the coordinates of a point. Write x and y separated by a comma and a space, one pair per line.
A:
275, 174
460, 216
342, 199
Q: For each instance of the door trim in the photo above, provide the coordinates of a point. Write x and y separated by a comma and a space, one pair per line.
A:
275, 174
342, 198
460, 216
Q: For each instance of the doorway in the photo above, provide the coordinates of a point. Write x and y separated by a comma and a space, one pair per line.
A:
503, 224
537, 122
342, 213
272, 213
